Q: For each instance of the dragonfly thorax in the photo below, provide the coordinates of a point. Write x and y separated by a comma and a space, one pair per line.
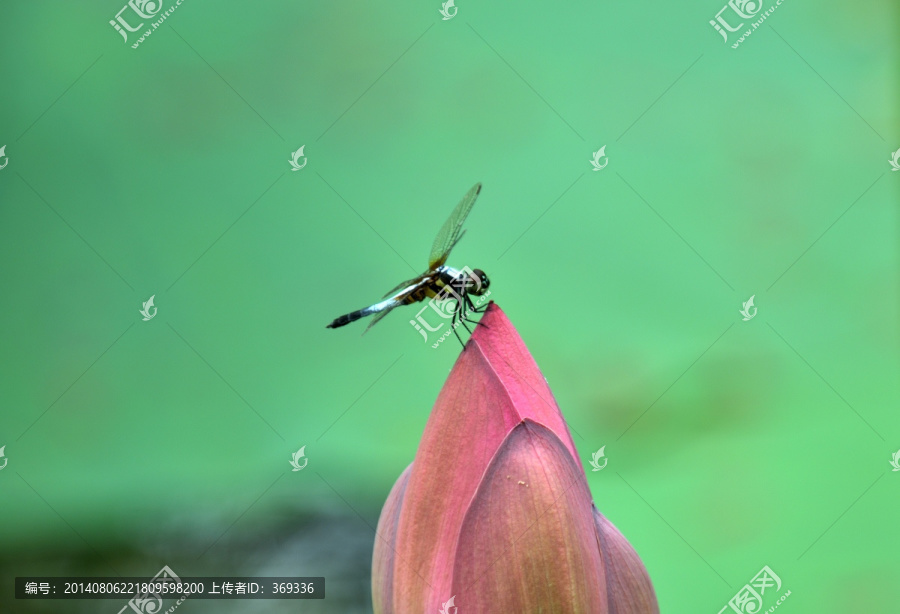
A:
472, 281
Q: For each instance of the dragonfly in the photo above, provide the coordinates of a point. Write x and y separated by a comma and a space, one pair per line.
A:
439, 282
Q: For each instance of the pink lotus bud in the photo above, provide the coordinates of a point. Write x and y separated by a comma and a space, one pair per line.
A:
494, 514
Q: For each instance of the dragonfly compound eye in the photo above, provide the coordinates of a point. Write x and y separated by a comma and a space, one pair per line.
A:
481, 282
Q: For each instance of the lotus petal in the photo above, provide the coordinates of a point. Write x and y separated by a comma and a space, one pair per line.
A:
383, 557
528, 541
495, 512
494, 385
627, 582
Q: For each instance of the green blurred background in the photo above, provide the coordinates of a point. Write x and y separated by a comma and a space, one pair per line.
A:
163, 170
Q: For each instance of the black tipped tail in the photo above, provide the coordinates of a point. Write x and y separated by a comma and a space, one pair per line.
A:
347, 318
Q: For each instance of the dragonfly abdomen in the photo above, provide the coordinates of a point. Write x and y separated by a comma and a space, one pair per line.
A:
353, 316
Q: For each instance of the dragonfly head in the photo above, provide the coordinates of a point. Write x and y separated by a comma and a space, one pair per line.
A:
479, 282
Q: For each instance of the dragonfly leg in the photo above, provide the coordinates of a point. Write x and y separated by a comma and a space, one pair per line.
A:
464, 313
474, 309
458, 315
456, 332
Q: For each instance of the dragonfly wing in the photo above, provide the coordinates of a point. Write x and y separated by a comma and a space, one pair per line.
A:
451, 232
409, 283
388, 305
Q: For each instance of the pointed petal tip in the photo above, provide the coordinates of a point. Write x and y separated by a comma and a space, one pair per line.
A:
528, 540
507, 359
493, 317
